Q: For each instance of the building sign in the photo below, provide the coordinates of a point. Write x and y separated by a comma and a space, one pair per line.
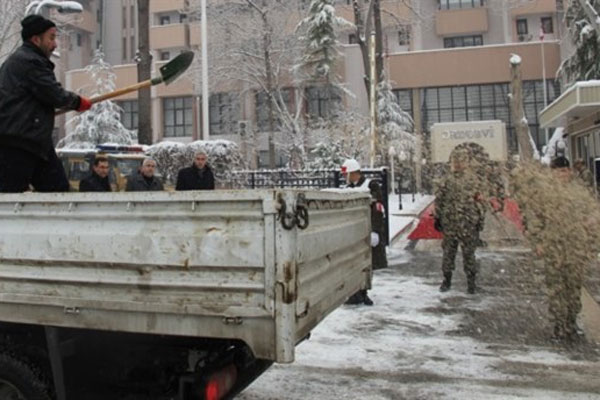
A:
491, 135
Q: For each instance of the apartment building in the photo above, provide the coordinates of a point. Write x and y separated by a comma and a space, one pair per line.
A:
448, 61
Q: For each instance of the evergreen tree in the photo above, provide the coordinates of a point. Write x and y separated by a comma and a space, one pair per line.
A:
102, 123
327, 155
320, 40
584, 63
395, 126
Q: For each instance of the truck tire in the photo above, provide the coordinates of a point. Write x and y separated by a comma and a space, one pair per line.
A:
20, 381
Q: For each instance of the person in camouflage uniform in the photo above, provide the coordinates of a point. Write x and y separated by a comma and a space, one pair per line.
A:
459, 214
561, 221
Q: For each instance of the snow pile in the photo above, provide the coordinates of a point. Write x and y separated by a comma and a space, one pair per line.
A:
223, 157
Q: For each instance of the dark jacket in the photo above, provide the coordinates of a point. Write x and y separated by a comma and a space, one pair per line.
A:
378, 256
137, 183
94, 183
29, 95
192, 178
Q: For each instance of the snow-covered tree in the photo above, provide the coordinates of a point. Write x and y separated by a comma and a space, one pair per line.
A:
584, 63
395, 126
11, 13
320, 41
224, 157
102, 123
327, 155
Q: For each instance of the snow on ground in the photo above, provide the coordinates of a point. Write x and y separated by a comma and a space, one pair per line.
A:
406, 346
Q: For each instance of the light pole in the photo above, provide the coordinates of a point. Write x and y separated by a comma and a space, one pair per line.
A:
402, 158
63, 7
392, 154
205, 98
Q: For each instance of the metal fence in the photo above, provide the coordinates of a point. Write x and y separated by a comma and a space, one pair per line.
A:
311, 179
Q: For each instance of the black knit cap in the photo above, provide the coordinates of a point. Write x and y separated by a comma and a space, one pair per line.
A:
35, 25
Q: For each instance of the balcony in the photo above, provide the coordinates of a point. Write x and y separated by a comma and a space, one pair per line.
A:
158, 6
461, 21
535, 7
168, 36
471, 65
195, 38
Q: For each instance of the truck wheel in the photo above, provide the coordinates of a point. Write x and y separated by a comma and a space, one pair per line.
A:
19, 381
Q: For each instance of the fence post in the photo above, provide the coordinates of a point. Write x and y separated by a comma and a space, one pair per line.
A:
336, 178
386, 203
253, 180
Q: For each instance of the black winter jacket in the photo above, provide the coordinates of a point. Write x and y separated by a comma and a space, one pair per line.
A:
94, 183
29, 95
193, 179
137, 183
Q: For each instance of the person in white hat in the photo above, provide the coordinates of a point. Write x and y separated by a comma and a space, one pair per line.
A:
355, 179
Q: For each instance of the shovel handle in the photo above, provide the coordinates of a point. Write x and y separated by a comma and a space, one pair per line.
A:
118, 92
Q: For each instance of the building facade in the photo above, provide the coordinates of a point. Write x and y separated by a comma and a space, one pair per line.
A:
448, 60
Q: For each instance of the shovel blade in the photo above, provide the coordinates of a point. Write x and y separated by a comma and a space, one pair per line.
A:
177, 66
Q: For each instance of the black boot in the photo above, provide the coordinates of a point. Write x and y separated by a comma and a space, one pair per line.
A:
366, 299
471, 284
445, 286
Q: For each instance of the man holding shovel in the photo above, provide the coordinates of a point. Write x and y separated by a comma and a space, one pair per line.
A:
29, 96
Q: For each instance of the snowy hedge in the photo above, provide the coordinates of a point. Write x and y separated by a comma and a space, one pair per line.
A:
223, 157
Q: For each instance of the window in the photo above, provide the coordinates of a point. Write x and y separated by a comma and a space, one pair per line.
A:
262, 108
178, 116
404, 36
165, 20
224, 113
404, 99
522, 27
124, 52
129, 113
79, 40
323, 102
165, 55
463, 41
455, 4
352, 39
485, 102
182, 18
124, 22
547, 26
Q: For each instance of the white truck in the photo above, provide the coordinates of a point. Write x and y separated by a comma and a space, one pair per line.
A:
168, 295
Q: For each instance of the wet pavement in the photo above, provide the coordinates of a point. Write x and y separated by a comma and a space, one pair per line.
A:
418, 343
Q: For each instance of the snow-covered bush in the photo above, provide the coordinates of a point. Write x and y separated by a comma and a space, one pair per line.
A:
223, 157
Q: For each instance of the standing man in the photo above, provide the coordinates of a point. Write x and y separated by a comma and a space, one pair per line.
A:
145, 180
355, 179
29, 97
197, 177
459, 215
97, 181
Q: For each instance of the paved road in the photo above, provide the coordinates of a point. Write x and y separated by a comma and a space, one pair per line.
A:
417, 343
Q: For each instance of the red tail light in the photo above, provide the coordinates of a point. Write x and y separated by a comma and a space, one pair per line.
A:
220, 383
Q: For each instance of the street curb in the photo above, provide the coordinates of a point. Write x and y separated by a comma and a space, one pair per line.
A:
409, 226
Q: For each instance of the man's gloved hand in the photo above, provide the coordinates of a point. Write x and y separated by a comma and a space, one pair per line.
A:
84, 104
374, 239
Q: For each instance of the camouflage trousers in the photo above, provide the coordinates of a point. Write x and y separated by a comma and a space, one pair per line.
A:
564, 297
450, 248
